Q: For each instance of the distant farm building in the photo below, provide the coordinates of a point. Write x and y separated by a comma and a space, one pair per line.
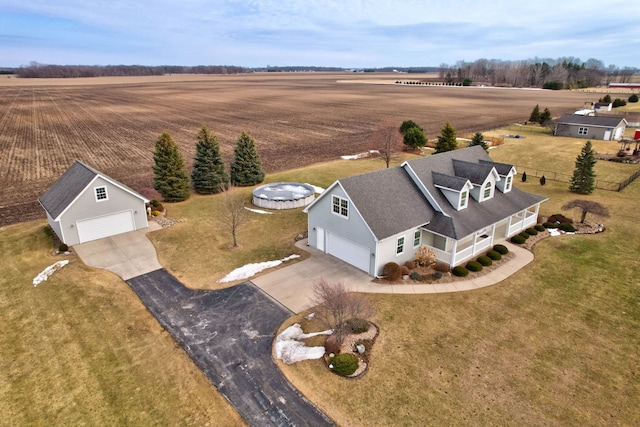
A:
624, 85
606, 128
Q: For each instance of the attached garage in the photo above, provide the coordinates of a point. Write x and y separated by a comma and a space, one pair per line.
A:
84, 205
348, 251
105, 226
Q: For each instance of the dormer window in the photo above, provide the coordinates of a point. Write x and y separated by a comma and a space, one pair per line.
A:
488, 187
101, 194
507, 185
464, 198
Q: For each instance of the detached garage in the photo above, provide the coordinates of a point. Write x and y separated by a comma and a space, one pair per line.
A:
84, 205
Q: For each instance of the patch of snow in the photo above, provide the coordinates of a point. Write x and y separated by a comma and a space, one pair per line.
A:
259, 211
554, 232
290, 349
44, 274
318, 190
249, 270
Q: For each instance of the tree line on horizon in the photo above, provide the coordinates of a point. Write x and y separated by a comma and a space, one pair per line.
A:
560, 73
35, 70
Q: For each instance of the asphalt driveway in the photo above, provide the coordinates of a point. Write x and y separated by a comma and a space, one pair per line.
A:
228, 333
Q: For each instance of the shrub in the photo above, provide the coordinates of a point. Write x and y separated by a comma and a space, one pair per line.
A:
543, 180
63, 247
425, 257
344, 364
566, 227
494, 255
414, 276
518, 239
539, 227
531, 231
524, 177
460, 271
392, 271
410, 265
155, 203
474, 266
618, 102
633, 98
501, 249
358, 326
155, 213
524, 235
331, 345
437, 274
549, 225
484, 260
442, 267
405, 270
559, 218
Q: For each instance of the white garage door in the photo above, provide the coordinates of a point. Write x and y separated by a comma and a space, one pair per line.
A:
348, 251
105, 226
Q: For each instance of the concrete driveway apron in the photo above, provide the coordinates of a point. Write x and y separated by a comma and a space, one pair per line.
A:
127, 255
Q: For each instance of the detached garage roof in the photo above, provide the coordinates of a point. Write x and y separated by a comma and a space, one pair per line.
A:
596, 121
70, 185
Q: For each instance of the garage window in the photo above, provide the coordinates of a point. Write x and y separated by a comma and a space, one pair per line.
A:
583, 131
340, 206
101, 194
400, 246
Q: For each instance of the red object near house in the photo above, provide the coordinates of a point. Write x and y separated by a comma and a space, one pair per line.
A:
636, 136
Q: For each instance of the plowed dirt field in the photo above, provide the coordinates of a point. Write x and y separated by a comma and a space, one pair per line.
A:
296, 119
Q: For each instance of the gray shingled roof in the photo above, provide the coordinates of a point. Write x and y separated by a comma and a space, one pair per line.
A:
73, 182
475, 172
597, 121
390, 202
447, 181
503, 169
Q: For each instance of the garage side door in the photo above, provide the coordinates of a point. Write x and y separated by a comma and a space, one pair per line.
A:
348, 251
105, 226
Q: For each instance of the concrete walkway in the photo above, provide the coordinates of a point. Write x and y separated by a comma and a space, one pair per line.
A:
292, 286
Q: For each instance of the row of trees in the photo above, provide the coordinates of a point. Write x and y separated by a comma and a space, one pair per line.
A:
209, 174
565, 72
35, 70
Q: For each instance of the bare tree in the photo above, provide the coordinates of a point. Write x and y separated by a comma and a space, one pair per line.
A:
234, 214
336, 305
387, 139
587, 206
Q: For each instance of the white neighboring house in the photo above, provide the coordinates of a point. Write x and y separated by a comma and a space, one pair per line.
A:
459, 203
84, 205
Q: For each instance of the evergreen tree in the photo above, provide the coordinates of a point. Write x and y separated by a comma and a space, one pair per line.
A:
209, 175
414, 138
170, 174
545, 116
408, 124
478, 139
246, 168
535, 114
447, 141
583, 179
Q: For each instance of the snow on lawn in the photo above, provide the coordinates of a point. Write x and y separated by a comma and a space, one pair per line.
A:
316, 189
259, 211
249, 270
360, 155
290, 349
44, 274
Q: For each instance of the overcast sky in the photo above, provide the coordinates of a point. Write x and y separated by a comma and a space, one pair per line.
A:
342, 33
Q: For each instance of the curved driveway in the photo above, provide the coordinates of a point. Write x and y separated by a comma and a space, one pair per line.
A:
228, 333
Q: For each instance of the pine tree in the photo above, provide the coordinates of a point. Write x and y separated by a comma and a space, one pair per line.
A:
447, 141
246, 168
209, 175
535, 114
414, 138
478, 139
583, 179
545, 116
170, 174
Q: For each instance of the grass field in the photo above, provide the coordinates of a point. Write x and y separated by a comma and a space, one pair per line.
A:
297, 119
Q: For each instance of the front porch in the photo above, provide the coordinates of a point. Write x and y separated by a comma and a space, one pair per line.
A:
455, 252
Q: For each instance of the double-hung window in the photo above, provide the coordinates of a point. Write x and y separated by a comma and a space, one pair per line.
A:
464, 197
400, 245
416, 238
340, 206
487, 190
507, 185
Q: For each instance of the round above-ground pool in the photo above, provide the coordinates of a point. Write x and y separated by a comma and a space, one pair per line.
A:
283, 195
